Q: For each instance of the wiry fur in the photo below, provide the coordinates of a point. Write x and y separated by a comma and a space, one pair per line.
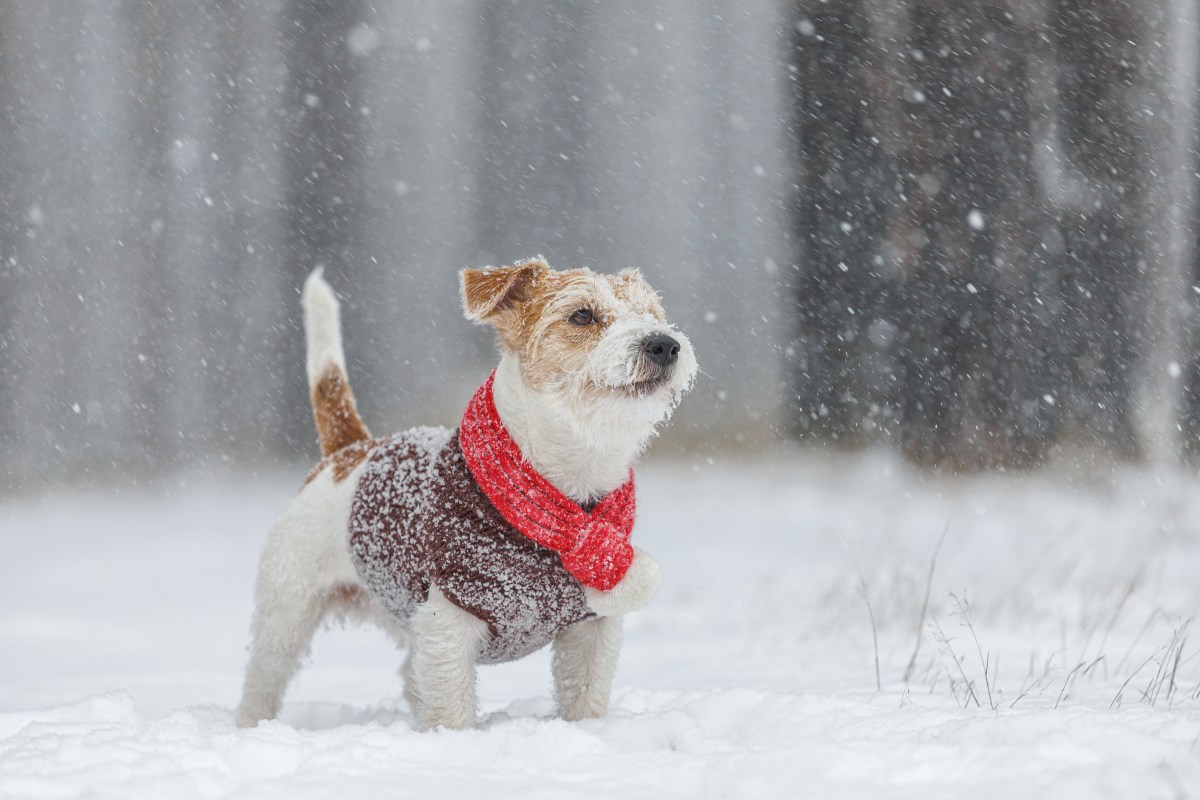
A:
585, 658
581, 402
562, 392
446, 642
338, 423
303, 565
322, 327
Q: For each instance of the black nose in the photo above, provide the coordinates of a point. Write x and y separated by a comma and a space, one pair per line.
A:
661, 349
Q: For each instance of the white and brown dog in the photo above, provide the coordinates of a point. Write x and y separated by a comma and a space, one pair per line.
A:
488, 542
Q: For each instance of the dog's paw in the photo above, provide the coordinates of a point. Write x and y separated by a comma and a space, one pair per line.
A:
249, 717
634, 591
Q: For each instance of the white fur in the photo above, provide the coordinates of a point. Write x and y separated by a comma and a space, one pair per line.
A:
585, 660
581, 433
322, 327
634, 591
615, 361
446, 643
584, 455
305, 559
305, 568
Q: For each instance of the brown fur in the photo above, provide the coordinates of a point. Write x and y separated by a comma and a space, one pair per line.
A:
530, 306
336, 415
350, 596
344, 461
486, 291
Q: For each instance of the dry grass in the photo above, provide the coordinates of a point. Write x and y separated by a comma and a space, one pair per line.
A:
975, 680
866, 596
912, 660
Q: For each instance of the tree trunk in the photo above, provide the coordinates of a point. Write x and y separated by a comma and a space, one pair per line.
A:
845, 361
1166, 99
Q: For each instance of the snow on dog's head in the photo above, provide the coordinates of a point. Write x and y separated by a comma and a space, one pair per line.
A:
594, 341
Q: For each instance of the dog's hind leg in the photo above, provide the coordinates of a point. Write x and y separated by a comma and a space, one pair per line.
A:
283, 628
304, 565
446, 642
584, 662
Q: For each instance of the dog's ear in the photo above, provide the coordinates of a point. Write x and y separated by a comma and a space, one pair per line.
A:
488, 291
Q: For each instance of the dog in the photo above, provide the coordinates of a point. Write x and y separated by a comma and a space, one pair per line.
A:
486, 543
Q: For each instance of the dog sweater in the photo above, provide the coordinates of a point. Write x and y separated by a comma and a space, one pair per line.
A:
419, 515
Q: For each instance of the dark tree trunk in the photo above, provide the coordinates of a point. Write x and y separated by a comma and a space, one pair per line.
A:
924, 293
1099, 282
844, 368
1190, 423
977, 389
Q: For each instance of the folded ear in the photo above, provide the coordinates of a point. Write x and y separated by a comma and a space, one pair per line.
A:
494, 289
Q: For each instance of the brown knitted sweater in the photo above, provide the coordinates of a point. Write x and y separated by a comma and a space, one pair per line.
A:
418, 517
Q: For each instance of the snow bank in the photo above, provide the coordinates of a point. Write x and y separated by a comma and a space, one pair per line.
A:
123, 620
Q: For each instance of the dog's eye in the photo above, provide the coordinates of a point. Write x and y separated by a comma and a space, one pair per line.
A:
583, 316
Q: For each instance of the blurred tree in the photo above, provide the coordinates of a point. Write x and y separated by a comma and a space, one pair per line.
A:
323, 146
975, 377
845, 369
170, 172
9, 428
988, 210
1095, 181
149, 28
994, 205
536, 87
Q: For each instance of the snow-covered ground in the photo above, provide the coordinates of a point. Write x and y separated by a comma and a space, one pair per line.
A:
123, 626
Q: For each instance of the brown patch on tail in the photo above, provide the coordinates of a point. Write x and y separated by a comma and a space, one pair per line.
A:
336, 415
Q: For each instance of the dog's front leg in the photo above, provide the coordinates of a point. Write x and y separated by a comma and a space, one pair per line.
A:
634, 591
446, 642
585, 659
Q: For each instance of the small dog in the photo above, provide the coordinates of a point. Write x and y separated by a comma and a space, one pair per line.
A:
486, 543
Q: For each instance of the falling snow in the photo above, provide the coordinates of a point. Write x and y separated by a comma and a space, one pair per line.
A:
957, 237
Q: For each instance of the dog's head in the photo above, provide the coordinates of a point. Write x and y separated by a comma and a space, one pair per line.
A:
588, 339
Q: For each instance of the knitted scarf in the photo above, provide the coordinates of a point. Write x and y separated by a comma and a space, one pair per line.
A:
594, 546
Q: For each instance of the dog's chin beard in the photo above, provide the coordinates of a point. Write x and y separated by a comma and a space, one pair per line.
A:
638, 389
647, 380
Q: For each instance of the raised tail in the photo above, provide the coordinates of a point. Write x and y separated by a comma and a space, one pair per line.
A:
336, 415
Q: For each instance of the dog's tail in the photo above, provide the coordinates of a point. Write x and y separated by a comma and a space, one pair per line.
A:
336, 415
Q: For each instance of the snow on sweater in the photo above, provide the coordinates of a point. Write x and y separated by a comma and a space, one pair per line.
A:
418, 516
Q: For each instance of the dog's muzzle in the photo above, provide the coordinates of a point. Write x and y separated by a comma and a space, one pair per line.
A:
660, 349
658, 354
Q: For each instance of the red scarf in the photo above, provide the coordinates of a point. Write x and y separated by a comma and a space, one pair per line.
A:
594, 547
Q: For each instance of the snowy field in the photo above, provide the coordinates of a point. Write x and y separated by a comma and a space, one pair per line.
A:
123, 628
